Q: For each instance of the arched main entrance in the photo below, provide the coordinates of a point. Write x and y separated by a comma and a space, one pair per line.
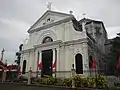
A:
47, 58
79, 64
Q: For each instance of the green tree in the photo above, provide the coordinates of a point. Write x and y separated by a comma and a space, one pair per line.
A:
18, 58
18, 54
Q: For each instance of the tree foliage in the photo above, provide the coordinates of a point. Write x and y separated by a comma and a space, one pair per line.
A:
18, 54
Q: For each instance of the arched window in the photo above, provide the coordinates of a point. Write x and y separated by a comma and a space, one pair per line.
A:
79, 64
24, 67
47, 39
90, 61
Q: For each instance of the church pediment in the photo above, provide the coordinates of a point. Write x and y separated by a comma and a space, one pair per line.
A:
49, 17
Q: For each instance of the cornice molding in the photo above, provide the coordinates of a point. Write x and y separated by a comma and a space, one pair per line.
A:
53, 44
48, 44
73, 42
28, 50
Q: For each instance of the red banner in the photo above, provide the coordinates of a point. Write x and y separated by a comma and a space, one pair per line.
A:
40, 66
94, 63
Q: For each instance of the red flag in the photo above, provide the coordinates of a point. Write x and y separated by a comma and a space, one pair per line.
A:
40, 66
94, 63
54, 65
118, 64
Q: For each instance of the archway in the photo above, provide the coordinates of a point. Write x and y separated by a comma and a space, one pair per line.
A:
79, 64
47, 58
24, 67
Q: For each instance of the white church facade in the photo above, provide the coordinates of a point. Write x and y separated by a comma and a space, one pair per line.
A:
58, 42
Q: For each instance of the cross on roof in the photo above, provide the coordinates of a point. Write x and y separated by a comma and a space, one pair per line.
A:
49, 5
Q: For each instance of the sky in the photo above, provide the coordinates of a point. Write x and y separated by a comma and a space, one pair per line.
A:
17, 16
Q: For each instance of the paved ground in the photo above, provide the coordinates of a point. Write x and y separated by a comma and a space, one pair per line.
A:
25, 87
7, 86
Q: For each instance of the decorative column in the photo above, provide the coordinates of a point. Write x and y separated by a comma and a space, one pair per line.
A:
54, 63
39, 64
57, 61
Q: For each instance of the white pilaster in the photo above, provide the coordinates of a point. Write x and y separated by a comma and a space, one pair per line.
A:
40, 62
58, 60
54, 59
85, 60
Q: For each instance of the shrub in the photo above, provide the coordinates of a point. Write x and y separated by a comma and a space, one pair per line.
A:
48, 81
59, 82
67, 82
78, 80
85, 82
101, 81
92, 81
98, 81
51, 81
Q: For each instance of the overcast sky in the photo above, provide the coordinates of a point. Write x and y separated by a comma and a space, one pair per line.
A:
16, 16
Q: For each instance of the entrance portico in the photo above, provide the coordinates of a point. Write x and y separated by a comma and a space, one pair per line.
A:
48, 58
